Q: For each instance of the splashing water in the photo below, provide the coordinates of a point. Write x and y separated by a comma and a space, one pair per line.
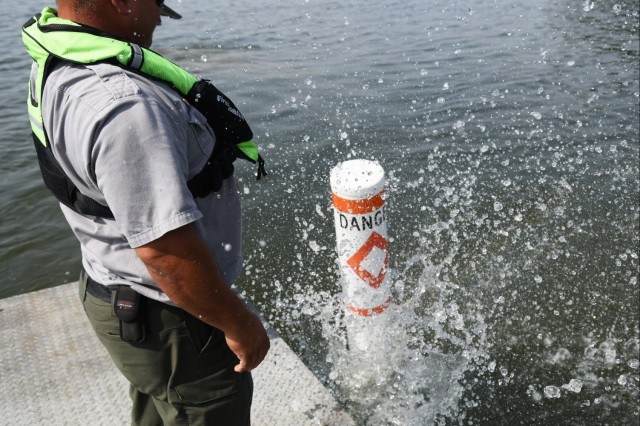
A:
459, 342
417, 375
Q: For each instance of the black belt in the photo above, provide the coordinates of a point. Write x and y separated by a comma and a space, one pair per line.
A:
98, 290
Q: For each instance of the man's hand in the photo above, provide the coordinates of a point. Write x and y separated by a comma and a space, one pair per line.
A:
250, 347
181, 265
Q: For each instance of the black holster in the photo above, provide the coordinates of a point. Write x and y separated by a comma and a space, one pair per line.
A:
128, 309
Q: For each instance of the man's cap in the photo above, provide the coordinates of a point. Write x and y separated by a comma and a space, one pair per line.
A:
167, 11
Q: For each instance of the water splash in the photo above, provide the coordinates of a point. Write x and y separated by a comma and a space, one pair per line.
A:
417, 374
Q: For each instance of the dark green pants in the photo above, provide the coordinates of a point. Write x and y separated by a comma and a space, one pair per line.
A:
181, 374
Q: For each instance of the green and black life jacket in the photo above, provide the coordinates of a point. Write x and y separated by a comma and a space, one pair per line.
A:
50, 39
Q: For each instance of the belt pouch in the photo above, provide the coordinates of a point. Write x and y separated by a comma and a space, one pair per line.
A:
128, 306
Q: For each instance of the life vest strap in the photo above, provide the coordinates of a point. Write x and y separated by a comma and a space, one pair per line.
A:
218, 168
63, 188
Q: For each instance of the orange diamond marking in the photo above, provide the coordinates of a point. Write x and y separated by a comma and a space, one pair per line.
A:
355, 261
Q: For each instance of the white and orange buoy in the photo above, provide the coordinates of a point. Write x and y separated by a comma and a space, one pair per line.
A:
361, 235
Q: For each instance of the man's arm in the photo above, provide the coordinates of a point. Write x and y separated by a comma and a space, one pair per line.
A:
182, 266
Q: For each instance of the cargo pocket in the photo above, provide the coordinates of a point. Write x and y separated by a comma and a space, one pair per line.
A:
212, 387
200, 333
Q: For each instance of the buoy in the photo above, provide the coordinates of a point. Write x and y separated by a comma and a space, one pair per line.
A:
361, 236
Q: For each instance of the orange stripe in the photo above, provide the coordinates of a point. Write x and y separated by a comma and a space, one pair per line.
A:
363, 206
368, 312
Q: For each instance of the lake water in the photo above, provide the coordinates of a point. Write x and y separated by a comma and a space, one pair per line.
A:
508, 131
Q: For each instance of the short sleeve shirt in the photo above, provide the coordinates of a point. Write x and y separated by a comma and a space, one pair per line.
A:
132, 144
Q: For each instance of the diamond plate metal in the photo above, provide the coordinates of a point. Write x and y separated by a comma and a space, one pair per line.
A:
54, 371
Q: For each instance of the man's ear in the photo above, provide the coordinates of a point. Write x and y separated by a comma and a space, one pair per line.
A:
121, 6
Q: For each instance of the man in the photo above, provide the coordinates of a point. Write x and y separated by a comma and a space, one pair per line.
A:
159, 262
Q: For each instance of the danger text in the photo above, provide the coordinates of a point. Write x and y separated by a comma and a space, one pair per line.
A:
363, 222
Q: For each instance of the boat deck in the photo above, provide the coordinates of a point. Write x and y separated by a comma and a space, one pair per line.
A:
49, 352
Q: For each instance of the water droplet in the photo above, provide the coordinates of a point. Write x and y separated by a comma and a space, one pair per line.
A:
552, 392
574, 386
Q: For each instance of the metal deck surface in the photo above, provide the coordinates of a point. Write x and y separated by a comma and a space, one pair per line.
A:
49, 352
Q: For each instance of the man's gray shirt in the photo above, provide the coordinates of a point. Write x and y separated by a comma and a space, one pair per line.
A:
132, 144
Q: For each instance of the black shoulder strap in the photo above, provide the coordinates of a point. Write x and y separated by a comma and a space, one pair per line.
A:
56, 179
63, 188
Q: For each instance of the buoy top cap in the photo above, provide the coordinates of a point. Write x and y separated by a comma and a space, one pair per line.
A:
357, 179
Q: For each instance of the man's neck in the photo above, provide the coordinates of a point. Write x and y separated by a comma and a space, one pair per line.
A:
103, 18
